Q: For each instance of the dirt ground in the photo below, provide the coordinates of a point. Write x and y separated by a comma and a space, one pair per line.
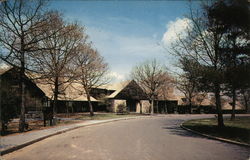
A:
39, 124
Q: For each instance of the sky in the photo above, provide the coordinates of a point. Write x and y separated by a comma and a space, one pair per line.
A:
127, 33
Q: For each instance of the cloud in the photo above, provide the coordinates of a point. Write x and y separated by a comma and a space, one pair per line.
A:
122, 52
116, 76
110, 43
140, 46
174, 29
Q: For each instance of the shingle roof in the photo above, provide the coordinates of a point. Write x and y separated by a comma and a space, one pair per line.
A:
125, 90
118, 87
73, 92
208, 101
4, 69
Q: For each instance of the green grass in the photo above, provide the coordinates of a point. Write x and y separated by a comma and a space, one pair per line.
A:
97, 116
237, 130
106, 116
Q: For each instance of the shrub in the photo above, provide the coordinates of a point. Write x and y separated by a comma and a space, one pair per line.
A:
121, 109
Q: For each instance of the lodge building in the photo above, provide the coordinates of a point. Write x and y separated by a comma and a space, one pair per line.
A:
107, 98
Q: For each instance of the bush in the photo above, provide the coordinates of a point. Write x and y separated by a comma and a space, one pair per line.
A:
121, 109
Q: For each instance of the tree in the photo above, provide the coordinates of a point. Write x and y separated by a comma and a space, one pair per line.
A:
235, 49
188, 88
166, 90
201, 48
245, 98
54, 63
150, 75
91, 70
188, 82
21, 24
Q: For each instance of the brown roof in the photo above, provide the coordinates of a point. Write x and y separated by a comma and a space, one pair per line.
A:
118, 87
4, 69
125, 89
72, 92
209, 101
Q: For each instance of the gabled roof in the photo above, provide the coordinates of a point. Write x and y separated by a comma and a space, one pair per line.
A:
118, 87
125, 90
4, 69
73, 91
12, 73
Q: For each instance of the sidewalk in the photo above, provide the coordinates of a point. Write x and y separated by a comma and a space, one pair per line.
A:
14, 142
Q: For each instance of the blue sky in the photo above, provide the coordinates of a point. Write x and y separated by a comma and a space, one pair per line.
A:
127, 33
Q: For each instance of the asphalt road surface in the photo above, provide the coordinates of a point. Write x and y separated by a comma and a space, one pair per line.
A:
137, 139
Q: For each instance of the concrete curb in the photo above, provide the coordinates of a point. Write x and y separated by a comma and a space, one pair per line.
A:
20, 146
215, 138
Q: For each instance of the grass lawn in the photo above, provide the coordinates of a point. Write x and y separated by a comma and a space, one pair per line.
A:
237, 130
105, 116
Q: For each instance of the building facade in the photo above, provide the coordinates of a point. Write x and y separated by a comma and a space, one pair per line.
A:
35, 98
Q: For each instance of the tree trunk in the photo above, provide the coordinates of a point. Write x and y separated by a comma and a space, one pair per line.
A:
67, 106
233, 105
218, 106
246, 102
152, 106
140, 107
1, 121
22, 92
72, 109
55, 99
44, 122
157, 107
165, 107
190, 104
190, 108
3, 129
91, 111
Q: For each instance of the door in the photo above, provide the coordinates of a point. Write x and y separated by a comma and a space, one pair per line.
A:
131, 105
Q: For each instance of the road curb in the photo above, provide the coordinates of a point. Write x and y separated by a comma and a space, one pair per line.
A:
20, 146
215, 138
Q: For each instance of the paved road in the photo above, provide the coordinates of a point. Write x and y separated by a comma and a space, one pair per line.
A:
138, 139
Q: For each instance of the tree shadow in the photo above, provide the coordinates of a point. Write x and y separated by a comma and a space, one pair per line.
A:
175, 129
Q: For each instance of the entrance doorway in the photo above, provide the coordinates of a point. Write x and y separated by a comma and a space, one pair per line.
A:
131, 105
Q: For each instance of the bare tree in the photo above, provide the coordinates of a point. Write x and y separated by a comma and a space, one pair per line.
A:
21, 24
166, 90
54, 62
91, 70
188, 88
150, 75
200, 97
244, 98
201, 47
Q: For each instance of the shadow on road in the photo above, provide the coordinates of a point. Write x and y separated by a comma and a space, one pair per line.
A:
175, 129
